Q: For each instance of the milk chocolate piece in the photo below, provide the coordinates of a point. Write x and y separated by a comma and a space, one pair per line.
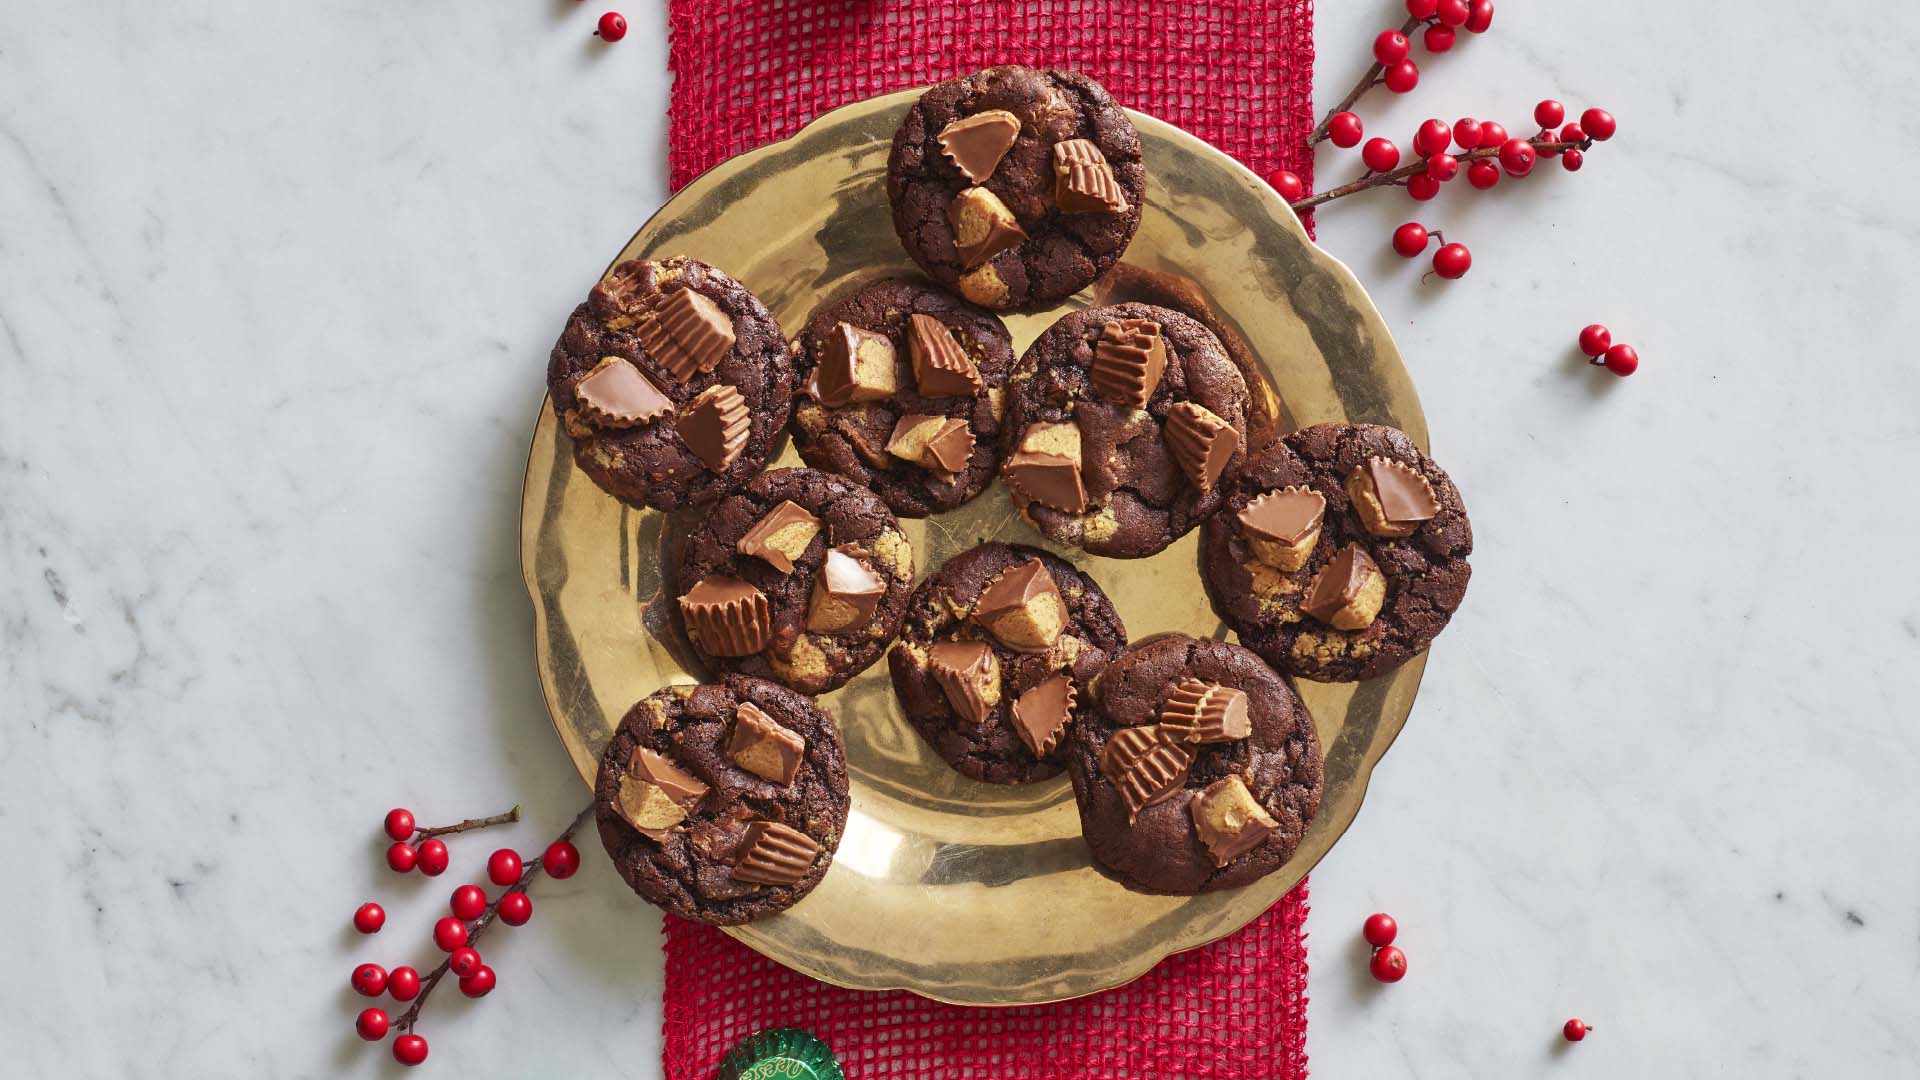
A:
1128, 361
715, 426
687, 332
781, 536
969, 674
1228, 820
655, 794
616, 395
1391, 497
982, 227
1347, 592
1022, 608
941, 367
1198, 711
727, 616
1083, 180
845, 592
624, 295
1201, 442
855, 365
1281, 527
1146, 765
941, 443
1040, 715
1046, 467
975, 144
774, 854
763, 747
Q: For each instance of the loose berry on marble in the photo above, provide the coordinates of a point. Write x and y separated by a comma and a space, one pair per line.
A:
399, 823
503, 867
1595, 339
1422, 187
1438, 38
1572, 160
1466, 132
1599, 124
1483, 174
1452, 261
1574, 1030
371, 1024
468, 903
1380, 155
401, 858
561, 860
370, 980
515, 909
403, 983
369, 917
1443, 167
1388, 965
1492, 134
1479, 16
1410, 239
1516, 156
1549, 113
1453, 12
1390, 47
464, 961
1380, 929
1289, 185
1422, 9
409, 1050
1402, 77
1622, 360
449, 933
1345, 129
612, 26
478, 984
1433, 137
431, 856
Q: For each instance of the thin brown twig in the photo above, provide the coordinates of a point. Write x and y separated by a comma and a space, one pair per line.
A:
1542, 145
470, 824
532, 870
1367, 82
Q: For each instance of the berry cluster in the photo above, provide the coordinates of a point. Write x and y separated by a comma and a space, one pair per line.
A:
1596, 343
457, 934
1393, 66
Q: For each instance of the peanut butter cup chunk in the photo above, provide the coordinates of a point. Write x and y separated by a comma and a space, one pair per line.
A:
723, 803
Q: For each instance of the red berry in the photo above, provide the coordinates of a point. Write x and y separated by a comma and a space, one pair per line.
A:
369, 917
1289, 185
468, 903
401, 858
1549, 113
1450, 262
400, 824
613, 26
1410, 239
478, 984
1422, 187
1574, 1030
370, 980
371, 1024
1598, 123
1516, 156
1344, 129
1433, 137
432, 857
1439, 38
1402, 77
1483, 174
1443, 167
561, 860
409, 1049
1389, 965
1479, 16
1492, 134
1452, 12
1421, 9
515, 909
464, 961
1390, 47
503, 867
1380, 930
403, 983
1466, 132
1594, 339
1573, 133
449, 933
1572, 160
1380, 154
1622, 360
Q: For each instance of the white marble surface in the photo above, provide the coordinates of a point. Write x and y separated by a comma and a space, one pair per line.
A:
275, 286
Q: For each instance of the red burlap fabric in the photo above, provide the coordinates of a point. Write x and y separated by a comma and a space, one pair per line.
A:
1239, 74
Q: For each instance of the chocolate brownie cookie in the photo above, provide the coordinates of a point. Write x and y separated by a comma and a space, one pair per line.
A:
1015, 186
1124, 424
1198, 770
723, 804
1339, 552
903, 388
997, 658
673, 381
800, 577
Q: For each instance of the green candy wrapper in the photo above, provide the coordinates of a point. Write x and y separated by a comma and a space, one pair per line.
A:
781, 1054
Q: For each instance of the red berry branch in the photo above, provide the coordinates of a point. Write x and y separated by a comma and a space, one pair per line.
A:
1392, 66
458, 935
422, 849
